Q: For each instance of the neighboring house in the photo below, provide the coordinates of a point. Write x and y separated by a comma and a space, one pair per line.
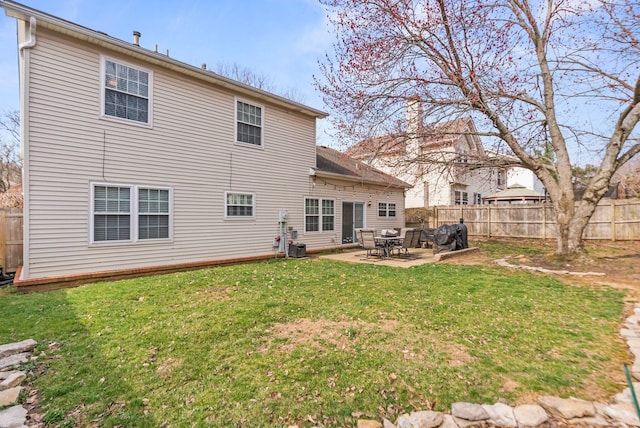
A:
134, 162
517, 175
434, 159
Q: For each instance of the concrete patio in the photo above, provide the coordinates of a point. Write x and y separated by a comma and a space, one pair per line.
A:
416, 257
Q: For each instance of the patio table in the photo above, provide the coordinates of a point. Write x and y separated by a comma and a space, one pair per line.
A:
388, 242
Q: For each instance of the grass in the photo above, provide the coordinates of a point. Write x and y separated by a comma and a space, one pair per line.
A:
311, 342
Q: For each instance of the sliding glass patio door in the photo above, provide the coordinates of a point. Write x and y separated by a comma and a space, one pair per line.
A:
352, 219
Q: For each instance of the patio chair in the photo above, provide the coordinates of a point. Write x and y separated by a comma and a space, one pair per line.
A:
411, 240
369, 243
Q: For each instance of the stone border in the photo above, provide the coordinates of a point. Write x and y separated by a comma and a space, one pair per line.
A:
449, 254
505, 263
13, 355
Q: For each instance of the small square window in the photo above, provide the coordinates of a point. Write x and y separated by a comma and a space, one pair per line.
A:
239, 204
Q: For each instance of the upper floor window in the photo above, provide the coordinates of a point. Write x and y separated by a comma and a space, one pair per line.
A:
239, 204
502, 180
126, 92
248, 123
386, 209
319, 214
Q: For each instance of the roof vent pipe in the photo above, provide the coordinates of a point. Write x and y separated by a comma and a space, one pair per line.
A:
136, 38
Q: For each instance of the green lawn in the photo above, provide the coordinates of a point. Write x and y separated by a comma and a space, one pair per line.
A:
284, 342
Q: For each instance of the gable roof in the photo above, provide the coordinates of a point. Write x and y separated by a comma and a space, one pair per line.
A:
516, 192
53, 23
430, 137
332, 163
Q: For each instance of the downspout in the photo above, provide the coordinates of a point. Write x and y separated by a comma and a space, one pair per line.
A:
24, 139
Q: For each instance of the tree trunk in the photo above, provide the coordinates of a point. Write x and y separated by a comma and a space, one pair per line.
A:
564, 207
571, 227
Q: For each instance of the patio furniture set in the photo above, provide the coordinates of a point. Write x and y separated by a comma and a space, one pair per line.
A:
389, 242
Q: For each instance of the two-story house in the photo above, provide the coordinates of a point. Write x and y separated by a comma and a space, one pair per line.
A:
435, 159
135, 162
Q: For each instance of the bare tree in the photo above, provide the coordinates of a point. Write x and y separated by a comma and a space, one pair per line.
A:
9, 149
523, 69
257, 80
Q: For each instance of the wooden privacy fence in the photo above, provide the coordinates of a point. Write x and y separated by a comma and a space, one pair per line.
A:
10, 239
615, 220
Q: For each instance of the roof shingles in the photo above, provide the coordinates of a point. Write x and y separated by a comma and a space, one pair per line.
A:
333, 162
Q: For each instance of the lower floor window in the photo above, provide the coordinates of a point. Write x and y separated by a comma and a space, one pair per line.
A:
386, 209
319, 213
153, 213
239, 204
117, 210
460, 197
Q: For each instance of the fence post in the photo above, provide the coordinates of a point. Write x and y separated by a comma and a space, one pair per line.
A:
544, 221
613, 220
489, 221
3, 239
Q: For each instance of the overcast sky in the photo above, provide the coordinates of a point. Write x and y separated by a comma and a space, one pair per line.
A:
282, 39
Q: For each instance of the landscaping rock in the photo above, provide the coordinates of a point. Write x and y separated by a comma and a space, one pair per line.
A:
463, 423
624, 413
404, 422
422, 419
367, 423
386, 423
567, 408
501, 415
448, 422
591, 422
530, 415
625, 395
9, 396
14, 360
13, 379
17, 347
13, 417
469, 411
628, 333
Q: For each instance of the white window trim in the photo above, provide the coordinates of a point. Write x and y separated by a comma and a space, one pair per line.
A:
235, 123
104, 116
320, 215
386, 210
133, 213
239, 218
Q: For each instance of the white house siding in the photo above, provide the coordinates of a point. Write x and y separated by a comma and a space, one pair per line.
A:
190, 149
349, 191
524, 177
440, 183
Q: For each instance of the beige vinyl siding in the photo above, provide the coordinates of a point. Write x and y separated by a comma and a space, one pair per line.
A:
350, 191
190, 148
